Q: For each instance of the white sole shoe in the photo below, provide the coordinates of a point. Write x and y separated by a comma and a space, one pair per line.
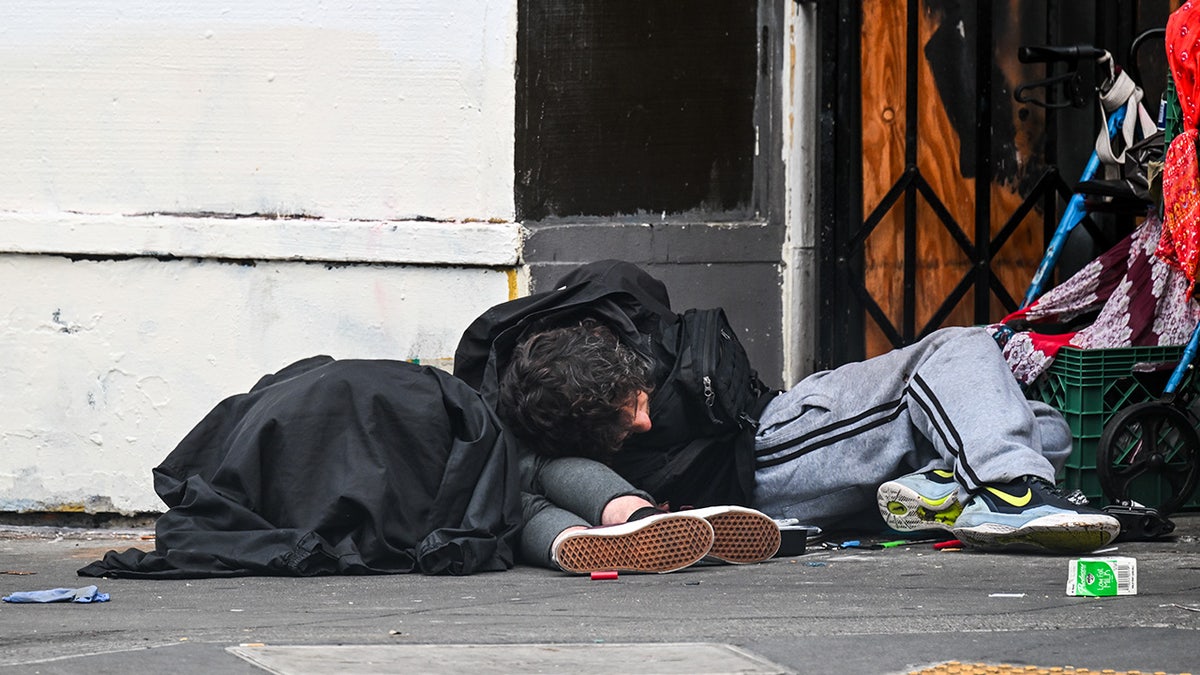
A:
740, 535
659, 543
1056, 533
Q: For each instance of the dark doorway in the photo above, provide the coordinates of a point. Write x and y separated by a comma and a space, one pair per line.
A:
649, 131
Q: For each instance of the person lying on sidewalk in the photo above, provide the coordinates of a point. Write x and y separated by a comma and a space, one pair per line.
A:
936, 435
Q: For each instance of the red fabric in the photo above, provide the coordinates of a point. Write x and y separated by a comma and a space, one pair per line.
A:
1183, 33
1180, 241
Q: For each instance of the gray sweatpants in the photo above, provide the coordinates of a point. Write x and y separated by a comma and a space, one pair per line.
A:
948, 401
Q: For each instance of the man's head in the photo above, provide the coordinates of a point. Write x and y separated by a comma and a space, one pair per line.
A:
575, 390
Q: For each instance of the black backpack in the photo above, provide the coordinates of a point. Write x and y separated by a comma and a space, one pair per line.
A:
700, 450
712, 373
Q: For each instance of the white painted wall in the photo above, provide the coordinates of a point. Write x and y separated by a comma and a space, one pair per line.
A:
336, 109
382, 132
799, 154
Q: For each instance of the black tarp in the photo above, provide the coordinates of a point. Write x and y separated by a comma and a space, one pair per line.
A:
336, 467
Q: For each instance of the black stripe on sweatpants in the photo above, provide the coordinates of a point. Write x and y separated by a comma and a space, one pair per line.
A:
852, 431
923, 394
827, 428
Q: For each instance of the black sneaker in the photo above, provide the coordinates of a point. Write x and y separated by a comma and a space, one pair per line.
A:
1031, 514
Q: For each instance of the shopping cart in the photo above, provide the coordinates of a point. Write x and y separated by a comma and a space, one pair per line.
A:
1135, 440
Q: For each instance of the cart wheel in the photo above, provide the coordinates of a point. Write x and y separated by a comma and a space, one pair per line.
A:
1150, 446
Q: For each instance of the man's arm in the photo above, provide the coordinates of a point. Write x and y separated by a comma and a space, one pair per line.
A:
582, 486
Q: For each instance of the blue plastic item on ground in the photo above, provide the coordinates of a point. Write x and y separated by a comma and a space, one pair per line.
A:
85, 594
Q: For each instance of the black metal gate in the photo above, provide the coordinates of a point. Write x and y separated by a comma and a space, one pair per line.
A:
847, 304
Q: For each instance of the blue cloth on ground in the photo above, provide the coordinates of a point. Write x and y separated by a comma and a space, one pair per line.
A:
85, 594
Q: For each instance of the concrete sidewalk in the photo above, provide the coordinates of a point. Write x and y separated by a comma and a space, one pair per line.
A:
844, 611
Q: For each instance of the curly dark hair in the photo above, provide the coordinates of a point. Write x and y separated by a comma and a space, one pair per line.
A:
565, 390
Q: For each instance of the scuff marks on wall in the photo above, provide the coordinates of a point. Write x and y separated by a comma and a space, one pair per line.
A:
223, 215
56, 318
90, 504
68, 327
155, 389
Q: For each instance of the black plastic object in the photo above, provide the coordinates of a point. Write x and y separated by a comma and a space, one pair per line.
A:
1140, 523
1060, 90
794, 537
1050, 54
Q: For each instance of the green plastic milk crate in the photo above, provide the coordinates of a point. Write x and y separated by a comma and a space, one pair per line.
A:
1089, 386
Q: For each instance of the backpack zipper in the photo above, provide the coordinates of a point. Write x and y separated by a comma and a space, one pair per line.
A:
709, 330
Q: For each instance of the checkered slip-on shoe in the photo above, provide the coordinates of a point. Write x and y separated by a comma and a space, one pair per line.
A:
740, 535
659, 543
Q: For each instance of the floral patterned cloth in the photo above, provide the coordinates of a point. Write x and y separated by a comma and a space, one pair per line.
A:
1142, 301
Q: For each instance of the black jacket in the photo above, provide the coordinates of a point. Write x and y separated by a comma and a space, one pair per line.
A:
672, 461
336, 467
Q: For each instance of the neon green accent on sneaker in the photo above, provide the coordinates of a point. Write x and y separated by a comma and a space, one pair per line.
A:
935, 503
947, 517
1014, 500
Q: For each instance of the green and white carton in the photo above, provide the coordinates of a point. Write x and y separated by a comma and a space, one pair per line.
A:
1098, 577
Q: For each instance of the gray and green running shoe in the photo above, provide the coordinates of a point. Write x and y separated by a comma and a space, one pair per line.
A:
1031, 514
920, 501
